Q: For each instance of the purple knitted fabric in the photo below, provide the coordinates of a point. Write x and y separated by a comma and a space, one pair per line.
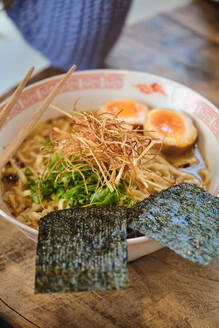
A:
68, 32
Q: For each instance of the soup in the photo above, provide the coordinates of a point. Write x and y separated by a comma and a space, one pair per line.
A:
46, 174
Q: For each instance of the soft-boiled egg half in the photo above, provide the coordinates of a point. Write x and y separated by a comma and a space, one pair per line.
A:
175, 128
129, 110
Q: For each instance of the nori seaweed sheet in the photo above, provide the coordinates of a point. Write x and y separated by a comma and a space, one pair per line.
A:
85, 248
82, 249
184, 218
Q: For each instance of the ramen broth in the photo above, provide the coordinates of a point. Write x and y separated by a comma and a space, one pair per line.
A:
191, 165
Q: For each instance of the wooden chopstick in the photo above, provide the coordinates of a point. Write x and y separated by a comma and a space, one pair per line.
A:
60, 110
29, 124
14, 97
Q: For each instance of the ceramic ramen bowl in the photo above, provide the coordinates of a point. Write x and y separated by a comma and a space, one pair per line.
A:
96, 87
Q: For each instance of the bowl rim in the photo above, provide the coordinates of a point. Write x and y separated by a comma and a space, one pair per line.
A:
119, 71
130, 241
26, 228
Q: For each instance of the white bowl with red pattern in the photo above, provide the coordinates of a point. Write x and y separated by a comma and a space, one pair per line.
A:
96, 87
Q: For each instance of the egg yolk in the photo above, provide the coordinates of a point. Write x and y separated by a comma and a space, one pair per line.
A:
168, 123
125, 109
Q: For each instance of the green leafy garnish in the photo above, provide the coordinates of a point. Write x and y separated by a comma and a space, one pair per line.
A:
28, 172
48, 143
98, 160
59, 184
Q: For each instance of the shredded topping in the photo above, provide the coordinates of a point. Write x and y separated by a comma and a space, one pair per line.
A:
111, 148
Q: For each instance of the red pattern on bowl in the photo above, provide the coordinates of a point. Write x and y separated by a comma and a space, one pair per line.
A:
109, 85
77, 82
149, 89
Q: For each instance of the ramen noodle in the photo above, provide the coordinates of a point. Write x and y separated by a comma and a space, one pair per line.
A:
160, 172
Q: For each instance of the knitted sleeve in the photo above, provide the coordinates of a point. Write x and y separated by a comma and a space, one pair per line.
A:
70, 31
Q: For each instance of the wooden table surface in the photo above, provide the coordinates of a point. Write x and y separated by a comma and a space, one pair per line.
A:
165, 290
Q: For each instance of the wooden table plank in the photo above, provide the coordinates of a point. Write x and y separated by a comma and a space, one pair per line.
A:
172, 45
16, 319
201, 17
162, 46
165, 290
